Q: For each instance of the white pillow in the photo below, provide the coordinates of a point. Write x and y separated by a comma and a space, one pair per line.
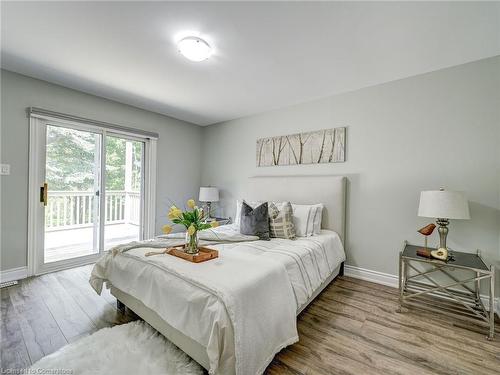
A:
318, 218
307, 219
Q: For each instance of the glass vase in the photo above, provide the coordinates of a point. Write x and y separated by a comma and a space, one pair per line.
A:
191, 246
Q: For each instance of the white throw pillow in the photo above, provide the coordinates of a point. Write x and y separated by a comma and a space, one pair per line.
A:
318, 218
301, 215
307, 219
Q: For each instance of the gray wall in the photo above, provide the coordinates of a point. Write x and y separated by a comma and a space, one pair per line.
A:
432, 130
176, 179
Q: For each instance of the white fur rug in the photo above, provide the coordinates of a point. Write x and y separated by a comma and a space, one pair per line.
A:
133, 348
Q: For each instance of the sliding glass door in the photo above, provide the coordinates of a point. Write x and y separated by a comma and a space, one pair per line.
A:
91, 185
124, 179
71, 193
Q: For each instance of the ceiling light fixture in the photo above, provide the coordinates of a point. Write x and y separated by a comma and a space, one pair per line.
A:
194, 48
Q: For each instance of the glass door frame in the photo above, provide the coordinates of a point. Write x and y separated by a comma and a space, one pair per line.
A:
142, 232
36, 210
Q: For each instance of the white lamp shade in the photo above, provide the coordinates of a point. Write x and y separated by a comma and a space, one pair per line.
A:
443, 204
209, 194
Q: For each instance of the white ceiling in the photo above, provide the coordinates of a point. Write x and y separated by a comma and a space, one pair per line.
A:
267, 55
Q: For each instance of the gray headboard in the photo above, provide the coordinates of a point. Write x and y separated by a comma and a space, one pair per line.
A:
329, 190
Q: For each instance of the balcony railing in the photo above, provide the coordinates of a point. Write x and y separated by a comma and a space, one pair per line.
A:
76, 209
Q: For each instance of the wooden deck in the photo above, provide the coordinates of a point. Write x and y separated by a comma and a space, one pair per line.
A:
351, 328
76, 242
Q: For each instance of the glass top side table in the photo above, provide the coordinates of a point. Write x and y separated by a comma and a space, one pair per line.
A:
417, 284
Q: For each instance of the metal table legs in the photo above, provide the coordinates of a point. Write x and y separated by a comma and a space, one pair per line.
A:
457, 297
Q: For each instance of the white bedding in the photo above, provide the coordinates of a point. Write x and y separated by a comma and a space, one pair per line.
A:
241, 306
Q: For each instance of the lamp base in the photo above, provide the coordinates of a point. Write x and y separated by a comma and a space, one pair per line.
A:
209, 211
443, 231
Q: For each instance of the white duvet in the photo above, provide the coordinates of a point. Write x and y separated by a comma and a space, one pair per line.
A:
242, 306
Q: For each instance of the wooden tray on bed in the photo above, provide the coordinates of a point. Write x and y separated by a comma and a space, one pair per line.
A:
203, 255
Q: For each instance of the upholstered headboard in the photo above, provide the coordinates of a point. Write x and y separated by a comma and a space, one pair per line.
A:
329, 190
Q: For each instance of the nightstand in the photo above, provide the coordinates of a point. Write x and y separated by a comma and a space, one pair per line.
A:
457, 296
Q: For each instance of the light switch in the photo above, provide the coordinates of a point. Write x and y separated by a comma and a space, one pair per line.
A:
5, 169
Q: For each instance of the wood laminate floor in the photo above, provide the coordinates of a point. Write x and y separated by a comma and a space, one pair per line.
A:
351, 328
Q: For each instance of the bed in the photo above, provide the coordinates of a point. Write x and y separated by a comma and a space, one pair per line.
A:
233, 314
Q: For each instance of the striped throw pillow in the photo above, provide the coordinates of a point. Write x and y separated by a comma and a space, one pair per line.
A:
281, 221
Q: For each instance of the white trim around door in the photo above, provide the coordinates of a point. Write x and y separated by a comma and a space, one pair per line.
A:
149, 211
37, 140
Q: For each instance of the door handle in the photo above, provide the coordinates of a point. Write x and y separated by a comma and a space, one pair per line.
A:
43, 193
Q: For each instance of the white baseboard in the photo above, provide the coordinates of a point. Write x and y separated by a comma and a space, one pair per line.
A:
392, 281
13, 274
373, 276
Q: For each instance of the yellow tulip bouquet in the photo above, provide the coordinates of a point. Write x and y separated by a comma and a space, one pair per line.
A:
193, 219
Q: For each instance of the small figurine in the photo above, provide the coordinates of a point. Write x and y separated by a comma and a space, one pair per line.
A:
420, 252
427, 231
441, 254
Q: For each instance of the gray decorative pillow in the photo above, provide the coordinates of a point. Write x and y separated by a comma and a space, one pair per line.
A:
281, 222
255, 221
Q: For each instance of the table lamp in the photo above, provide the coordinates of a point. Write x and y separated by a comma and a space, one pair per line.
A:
208, 194
443, 205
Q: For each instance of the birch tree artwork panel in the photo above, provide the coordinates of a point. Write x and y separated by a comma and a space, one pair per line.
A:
321, 146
